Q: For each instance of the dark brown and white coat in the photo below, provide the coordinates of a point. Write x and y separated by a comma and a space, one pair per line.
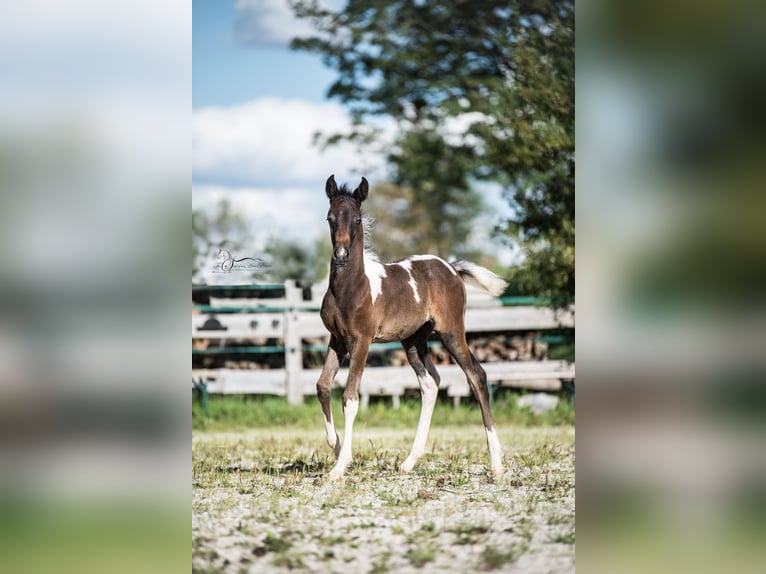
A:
368, 301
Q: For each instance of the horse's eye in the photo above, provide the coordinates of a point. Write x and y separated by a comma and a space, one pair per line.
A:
358, 220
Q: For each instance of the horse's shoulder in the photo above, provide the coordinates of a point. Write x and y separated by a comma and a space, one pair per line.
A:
329, 306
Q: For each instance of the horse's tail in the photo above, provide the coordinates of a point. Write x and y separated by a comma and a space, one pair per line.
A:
480, 277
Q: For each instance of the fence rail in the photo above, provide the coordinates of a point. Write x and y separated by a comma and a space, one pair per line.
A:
291, 320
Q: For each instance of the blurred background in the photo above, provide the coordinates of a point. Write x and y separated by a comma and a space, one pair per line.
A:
670, 246
94, 172
96, 164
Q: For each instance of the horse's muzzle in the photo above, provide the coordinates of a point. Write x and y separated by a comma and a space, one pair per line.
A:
340, 256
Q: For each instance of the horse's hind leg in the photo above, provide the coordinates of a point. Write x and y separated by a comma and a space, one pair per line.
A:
477, 379
428, 378
335, 353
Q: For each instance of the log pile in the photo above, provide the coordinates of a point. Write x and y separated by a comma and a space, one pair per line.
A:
486, 349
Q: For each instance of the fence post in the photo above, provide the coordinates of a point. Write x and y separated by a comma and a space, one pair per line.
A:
293, 346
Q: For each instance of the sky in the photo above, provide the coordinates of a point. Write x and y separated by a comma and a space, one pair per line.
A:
256, 107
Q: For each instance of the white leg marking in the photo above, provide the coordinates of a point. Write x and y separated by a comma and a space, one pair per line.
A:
344, 458
332, 436
375, 273
407, 266
429, 392
495, 453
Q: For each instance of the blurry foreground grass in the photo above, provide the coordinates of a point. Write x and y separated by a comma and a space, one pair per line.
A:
241, 412
86, 537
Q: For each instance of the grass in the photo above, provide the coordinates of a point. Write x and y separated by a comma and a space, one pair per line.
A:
242, 412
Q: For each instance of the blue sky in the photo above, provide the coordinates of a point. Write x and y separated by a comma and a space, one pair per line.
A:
226, 71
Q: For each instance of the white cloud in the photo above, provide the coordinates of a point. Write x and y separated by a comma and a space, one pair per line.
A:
272, 21
270, 142
297, 212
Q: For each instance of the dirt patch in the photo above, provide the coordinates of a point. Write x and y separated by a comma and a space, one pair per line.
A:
260, 503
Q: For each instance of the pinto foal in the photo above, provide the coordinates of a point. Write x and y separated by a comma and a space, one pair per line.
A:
403, 301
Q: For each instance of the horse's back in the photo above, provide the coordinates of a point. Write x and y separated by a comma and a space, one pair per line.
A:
446, 290
417, 290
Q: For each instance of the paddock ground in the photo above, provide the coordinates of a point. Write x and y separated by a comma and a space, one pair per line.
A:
260, 502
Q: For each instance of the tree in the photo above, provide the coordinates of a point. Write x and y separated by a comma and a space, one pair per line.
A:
407, 222
506, 70
443, 205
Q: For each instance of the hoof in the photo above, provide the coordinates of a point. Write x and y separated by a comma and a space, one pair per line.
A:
407, 466
337, 472
498, 472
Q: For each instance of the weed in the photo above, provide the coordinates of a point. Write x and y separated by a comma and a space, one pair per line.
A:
469, 533
273, 543
289, 561
493, 558
421, 555
380, 564
567, 538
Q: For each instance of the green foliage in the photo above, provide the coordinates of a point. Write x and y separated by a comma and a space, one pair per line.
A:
504, 72
442, 207
436, 220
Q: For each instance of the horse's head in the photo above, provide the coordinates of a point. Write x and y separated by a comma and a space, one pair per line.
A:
345, 218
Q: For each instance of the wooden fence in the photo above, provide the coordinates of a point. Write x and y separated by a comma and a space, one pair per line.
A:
294, 317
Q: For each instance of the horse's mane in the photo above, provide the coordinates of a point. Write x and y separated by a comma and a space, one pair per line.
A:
367, 223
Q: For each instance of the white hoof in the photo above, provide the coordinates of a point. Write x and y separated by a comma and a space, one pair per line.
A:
408, 465
498, 472
334, 476
338, 470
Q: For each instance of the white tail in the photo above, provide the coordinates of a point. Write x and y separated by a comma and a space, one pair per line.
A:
480, 277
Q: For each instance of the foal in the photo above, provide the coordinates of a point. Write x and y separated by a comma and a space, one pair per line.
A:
403, 301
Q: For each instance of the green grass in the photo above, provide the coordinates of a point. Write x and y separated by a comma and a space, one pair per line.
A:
237, 412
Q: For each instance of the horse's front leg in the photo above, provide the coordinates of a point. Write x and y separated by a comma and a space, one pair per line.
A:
336, 351
358, 351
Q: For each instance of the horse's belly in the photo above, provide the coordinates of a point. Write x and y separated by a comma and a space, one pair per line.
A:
392, 332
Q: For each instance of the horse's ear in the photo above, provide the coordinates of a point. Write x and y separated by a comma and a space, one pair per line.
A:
360, 193
330, 188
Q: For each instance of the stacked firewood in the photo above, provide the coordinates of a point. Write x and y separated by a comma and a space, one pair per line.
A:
497, 348
486, 349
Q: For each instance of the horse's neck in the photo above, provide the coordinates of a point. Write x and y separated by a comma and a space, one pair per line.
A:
349, 281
